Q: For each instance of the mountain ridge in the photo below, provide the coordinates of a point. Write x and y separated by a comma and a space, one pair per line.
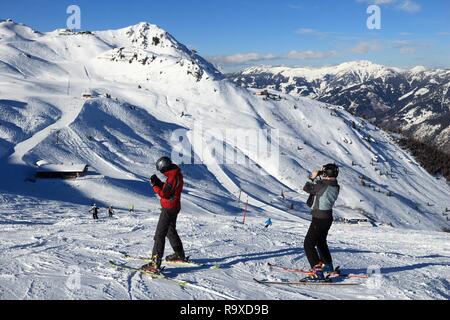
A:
416, 100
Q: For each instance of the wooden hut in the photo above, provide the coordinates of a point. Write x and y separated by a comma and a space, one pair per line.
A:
61, 171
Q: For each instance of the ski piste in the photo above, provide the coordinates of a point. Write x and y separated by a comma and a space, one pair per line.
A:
305, 283
306, 272
188, 263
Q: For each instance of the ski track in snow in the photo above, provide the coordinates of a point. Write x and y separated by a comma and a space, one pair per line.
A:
38, 261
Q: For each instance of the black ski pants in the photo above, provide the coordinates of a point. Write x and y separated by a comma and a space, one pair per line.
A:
316, 247
167, 227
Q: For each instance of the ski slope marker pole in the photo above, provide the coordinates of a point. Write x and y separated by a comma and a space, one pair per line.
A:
245, 211
239, 202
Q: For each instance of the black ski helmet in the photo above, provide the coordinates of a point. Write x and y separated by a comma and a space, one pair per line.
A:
163, 164
331, 170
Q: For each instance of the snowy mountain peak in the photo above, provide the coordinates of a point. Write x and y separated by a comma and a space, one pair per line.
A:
359, 64
7, 22
145, 34
365, 65
139, 52
12, 30
147, 45
418, 69
361, 70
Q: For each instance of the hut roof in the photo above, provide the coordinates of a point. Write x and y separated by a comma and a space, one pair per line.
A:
62, 168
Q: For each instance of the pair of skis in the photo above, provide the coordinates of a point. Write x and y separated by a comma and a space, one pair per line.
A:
180, 263
160, 275
335, 274
329, 281
305, 283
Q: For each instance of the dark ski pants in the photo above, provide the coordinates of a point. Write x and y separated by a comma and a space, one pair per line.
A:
95, 216
167, 227
317, 238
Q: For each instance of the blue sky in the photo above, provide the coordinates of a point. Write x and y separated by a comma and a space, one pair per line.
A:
239, 33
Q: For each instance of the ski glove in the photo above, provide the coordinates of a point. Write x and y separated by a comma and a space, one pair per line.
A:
154, 180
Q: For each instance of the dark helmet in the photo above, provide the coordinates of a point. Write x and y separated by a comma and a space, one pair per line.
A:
163, 164
330, 170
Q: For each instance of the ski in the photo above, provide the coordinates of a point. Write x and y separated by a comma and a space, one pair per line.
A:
305, 283
181, 283
305, 272
188, 263
152, 275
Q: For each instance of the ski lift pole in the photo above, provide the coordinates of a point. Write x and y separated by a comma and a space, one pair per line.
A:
245, 211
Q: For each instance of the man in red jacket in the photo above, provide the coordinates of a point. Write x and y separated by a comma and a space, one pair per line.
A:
170, 194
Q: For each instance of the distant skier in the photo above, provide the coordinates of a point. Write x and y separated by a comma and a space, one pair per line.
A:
94, 211
170, 194
323, 195
131, 209
110, 211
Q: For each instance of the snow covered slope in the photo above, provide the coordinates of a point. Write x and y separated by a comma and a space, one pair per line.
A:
144, 86
43, 251
416, 100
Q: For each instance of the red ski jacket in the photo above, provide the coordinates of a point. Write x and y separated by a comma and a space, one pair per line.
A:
170, 191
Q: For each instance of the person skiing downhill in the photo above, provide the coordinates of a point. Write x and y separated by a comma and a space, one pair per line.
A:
170, 195
110, 211
323, 194
94, 211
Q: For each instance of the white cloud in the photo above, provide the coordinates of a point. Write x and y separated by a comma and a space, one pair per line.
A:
309, 54
407, 46
409, 6
241, 58
367, 46
308, 31
244, 58
377, 2
382, 2
315, 32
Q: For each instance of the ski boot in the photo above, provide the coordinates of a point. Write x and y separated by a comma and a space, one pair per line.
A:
328, 268
154, 266
316, 274
335, 273
176, 257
